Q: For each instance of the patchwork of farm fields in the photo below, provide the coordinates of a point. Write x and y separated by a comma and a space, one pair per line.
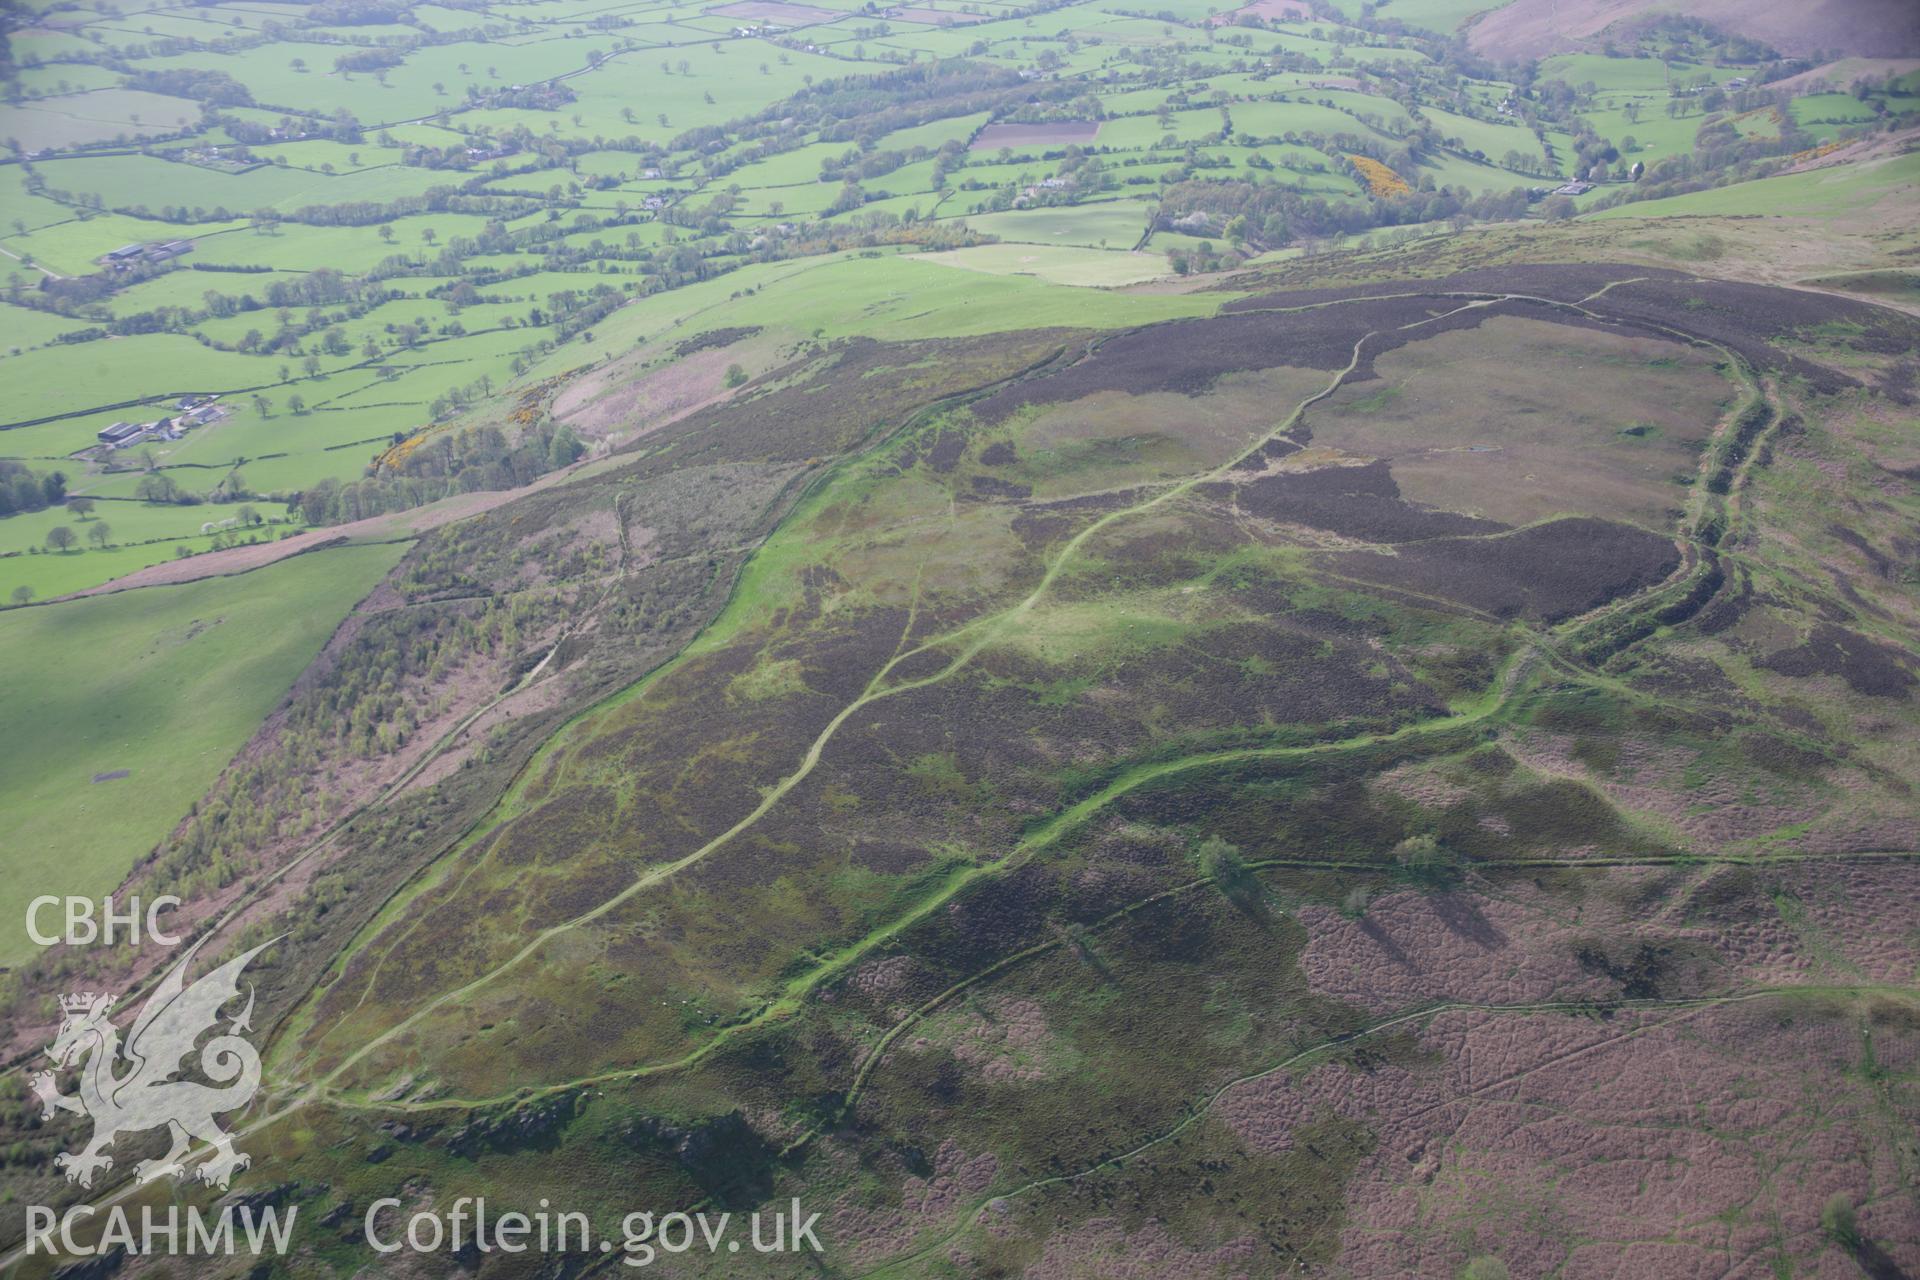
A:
1102, 642
385, 213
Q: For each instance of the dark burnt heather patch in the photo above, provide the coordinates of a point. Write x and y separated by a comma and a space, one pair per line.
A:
1705, 585
838, 662
1546, 572
821, 405
1728, 607
1868, 667
1276, 808
1882, 564
715, 338
948, 448
1008, 1069
990, 488
1161, 558
1355, 502
1274, 450
1666, 673
1749, 318
974, 762
1748, 428
1186, 357
1042, 523
1561, 282
1746, 318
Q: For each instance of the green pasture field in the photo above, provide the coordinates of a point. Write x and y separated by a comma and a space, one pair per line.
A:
435, 368
1757, 124
1378, 55
51, 442
643, 234
1129, 102
1132, 133
286, 451
421, 134
799, 167
1297, 115
435, 18
896, 297
1179, 241
97, 116
986, 171
70, 247
46, 44
314, 154
1068, 265
934, 133
66, 378
1655, 134
1817, 193
915, 204
34, 211
22, 329
1117, 223
1449, 170
205, 453
635, 81
1057, 264
1358, 105
407, 91
908, 179
293, 247
1643, 75
185, 287
65, 77
1495, 140
298, 471
164, 682
1830, 109
1187, 10
426, 313
145, 181
1131, 31
129, 523
808, 199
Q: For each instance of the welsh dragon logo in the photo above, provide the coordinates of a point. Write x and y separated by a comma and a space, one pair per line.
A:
129, 1088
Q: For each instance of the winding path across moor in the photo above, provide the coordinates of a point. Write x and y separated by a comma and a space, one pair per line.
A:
966, 642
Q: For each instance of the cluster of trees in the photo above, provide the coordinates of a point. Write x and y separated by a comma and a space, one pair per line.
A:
547, 96
426, 469
369, 703
1267, 215
61, 538
340, 127
161, 489
1721, 155
859, 164
356, 13
212, 87
25, 490
469, 196
368, 60
868, 107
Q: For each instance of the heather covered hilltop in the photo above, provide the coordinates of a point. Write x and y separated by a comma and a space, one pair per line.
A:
971, 640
